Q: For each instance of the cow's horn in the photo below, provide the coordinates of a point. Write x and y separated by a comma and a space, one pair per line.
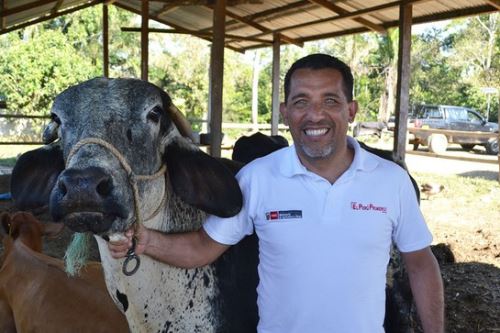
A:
181, 122
50, 133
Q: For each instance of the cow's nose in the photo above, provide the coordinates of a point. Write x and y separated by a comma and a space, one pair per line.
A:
90, 184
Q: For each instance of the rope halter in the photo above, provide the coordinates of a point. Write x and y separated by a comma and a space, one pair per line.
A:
133, 179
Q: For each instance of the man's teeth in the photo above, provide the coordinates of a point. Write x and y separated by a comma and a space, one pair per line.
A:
316, 132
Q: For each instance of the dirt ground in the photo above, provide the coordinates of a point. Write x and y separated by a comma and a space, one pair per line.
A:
471, 271
471, 275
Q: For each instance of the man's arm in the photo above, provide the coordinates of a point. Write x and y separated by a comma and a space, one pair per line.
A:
185, 250
427, 288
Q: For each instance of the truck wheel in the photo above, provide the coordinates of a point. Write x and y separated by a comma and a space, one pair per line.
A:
492, 147
438, 143
467, 146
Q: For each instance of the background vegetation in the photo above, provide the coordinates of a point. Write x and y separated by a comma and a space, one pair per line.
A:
450, 65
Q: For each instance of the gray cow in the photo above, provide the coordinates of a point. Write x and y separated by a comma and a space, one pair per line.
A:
102, 171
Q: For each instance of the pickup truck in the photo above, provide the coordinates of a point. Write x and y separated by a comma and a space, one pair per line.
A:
438, 125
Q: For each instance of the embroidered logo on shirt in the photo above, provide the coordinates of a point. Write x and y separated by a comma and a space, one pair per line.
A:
284, 214
368, 207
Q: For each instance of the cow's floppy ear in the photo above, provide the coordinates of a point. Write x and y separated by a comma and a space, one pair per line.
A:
201, 180
34, 176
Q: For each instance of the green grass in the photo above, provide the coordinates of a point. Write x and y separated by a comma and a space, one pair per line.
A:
478, 194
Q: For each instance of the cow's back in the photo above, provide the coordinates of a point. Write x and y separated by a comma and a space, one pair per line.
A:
44, 299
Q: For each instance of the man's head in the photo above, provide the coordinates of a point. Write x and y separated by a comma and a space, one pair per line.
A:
318, 107
321, 61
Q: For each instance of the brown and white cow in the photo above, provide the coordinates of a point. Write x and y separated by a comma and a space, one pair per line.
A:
36, 294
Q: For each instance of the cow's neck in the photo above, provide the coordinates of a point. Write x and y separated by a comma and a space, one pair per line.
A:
153, 195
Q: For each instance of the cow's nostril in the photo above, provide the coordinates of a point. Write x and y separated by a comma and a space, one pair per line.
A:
104, 187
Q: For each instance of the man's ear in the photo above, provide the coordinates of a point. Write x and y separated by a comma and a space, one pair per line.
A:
353, 109
284, 114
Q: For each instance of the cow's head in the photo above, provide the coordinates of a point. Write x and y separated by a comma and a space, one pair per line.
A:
89, 188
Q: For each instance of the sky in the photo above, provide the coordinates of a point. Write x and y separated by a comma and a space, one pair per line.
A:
417, 29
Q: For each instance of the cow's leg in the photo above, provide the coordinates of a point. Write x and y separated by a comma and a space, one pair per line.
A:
7, 324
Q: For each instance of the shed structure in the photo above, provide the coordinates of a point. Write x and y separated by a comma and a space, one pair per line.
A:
242, 25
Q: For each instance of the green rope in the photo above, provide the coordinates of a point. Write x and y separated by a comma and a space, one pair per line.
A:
77, 253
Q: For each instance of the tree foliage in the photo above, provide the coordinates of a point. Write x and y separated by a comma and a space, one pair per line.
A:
449, 65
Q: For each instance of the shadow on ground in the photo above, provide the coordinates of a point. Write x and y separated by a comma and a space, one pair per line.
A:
485, 174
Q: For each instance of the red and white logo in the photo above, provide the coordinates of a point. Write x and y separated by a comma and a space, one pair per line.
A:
368, 207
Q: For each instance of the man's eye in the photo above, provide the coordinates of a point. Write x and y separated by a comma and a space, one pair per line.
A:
301, 103
330, 101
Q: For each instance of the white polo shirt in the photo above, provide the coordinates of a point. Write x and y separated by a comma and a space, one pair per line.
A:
324, 248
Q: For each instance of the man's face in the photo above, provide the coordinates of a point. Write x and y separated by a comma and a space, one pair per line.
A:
317, 112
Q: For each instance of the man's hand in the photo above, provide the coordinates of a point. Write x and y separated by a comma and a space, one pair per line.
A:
184, 250
119, 246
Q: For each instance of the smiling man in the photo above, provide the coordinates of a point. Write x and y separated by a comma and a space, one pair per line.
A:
326, 213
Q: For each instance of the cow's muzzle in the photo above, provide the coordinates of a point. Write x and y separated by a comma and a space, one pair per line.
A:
83, 199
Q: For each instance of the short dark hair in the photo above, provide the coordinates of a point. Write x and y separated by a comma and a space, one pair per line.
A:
322, 61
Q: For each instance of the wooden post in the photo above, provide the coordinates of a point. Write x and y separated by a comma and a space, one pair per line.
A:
216, 77
105, 40
144, 39
3, 20
276, 85
403, 84
498, 137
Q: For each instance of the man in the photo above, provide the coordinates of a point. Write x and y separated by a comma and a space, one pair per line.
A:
325, 212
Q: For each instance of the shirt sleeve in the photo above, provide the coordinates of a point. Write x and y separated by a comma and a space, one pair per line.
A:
231, 230
411, 232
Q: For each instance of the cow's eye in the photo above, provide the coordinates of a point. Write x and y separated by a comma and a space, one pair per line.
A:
155, 114
55, 118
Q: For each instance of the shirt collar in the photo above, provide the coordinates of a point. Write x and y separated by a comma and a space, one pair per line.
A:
364, 161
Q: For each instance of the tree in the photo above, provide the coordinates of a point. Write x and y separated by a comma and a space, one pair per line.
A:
476, 51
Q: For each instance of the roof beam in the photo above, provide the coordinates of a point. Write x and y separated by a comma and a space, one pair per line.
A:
258, 27
57, 6
18, 9
179, 29
49, 17
350, 15
3, 21
197, 34
177, 3
494, 3
165, 10
416, 20
339, 10
278, 10
447, 15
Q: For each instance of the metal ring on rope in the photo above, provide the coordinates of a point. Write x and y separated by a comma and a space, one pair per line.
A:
133, 178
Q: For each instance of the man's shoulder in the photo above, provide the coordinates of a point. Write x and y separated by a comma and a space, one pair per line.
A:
268, 162
383, 162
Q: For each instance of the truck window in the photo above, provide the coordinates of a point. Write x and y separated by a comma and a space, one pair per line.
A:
434, 113
474, 117
457, 114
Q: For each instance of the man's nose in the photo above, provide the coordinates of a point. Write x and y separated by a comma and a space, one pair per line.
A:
317, 110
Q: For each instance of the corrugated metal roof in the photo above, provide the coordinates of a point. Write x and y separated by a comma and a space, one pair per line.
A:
253, 23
